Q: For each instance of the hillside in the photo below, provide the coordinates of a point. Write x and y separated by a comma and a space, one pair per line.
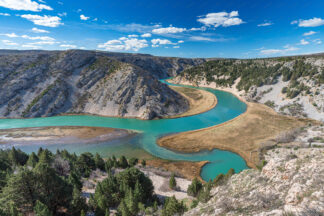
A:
48, 83
290, 85
289, 183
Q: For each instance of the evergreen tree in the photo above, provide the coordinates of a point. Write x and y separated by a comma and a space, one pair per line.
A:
122, 162
139, 193
17, 157
123, 210
45, 157
74, 179
133, 161
107, 212
41, 210
19, 191
130, 176
51, 189
32, 160
143, 163
83, 213
99, 162
173, 207
85, 163
194, 188
131, 202
172, 182
78, 203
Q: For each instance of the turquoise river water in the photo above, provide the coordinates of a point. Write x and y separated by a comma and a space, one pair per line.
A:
227, 108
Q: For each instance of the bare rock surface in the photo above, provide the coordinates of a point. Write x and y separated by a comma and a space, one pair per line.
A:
291, 183
48, 83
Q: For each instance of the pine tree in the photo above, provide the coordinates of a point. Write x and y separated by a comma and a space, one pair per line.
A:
173, 207
172, 182
100, 163
19, 191
131, 202
32, 160
41, 209
123, 162
45, 157
78, 203
143, 163
83, 213
194, 188
107, 212
139, 193
123, 210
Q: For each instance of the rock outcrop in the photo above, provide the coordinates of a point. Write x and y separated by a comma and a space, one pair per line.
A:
48, 83
291, 183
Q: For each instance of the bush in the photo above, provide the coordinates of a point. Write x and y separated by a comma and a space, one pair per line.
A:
173, 207
172, 182
194, 188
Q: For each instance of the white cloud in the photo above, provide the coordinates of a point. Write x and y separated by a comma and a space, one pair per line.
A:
44, 43
37, 30
201, 38
309, 33
26, 5
11, 35
133, 36
309, 23
203, 28
221, 19
168, 30
95, 19
43, 38
180, 41
285, 49
68, 46
4, 14
265, 24
176, 47
9, 43
82, 17
146, 35
303, 42
159, 41
64, 14
49, 21
124, 44
317, 41
30, 46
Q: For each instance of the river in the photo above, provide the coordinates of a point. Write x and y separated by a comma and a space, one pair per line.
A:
227, 108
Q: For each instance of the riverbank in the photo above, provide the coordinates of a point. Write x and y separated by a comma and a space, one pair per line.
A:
200, 101
62, 134
244, 135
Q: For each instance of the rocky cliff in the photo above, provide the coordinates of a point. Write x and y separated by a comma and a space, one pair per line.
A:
47, 83
290, 184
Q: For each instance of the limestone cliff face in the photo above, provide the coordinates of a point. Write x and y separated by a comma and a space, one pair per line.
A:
291, 182
48, 83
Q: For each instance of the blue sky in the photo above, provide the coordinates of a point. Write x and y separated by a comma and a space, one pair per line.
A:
218, 28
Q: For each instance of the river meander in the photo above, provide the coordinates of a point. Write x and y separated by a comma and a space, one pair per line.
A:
227, 108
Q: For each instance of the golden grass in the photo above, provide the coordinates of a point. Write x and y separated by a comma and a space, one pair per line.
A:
242, 135
199, 101
187, 169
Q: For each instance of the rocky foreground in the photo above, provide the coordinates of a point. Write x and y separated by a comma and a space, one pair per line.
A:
291, 183
48, 83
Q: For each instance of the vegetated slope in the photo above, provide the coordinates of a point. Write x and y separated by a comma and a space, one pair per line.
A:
290, 183
47, 83
291, 85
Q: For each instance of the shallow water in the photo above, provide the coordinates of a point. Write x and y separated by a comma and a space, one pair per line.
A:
227, 108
